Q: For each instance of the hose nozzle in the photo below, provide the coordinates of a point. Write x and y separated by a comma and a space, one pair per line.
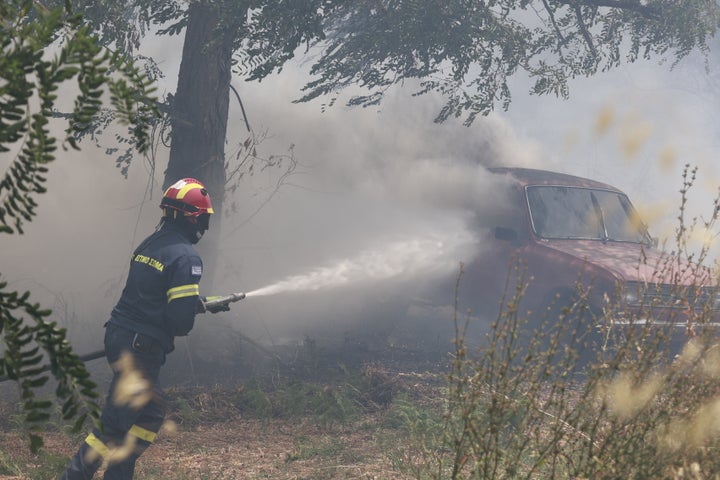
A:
213, 302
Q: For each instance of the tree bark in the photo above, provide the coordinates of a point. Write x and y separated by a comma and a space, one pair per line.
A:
200, 105
199, 117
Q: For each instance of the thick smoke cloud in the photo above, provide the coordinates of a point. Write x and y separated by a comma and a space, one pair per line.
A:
389, 202
374, 192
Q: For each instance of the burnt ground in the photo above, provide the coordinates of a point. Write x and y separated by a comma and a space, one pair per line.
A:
305, 412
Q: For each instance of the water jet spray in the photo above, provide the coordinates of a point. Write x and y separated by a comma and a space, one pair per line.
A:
411, 257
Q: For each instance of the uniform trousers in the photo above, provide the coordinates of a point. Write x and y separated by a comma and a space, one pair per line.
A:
134, 409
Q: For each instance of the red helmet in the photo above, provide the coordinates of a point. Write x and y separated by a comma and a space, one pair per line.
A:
188, 196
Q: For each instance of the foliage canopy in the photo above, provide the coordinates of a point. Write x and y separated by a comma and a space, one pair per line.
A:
464, 50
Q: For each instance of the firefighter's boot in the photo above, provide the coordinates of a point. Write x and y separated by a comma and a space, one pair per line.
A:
83, 464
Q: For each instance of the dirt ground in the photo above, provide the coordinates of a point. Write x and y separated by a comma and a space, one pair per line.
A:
245, 449
219, 442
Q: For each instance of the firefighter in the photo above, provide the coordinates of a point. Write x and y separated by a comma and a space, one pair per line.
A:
159, 302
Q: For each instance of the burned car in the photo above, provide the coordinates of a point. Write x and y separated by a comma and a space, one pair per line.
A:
569, 249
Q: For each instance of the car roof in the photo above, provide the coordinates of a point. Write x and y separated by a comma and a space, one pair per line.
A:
531, 176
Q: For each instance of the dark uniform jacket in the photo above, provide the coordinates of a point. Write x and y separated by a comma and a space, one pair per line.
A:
161, 293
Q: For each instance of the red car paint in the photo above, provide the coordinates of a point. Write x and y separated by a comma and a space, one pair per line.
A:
628, 280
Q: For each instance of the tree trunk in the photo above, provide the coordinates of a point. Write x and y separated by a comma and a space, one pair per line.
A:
200, 116
199, 125
200, 105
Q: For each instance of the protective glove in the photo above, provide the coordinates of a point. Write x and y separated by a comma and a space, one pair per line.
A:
216, 309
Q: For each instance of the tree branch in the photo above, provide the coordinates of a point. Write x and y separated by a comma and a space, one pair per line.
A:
584, 30
647, 11
555, 25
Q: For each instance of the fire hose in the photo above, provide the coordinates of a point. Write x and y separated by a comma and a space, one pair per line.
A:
208, 304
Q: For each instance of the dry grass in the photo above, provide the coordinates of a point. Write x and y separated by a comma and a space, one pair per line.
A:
220, 441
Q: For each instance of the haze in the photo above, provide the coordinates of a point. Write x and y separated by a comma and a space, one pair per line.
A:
384, 190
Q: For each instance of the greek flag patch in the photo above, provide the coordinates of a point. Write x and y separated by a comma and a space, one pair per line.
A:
196, 270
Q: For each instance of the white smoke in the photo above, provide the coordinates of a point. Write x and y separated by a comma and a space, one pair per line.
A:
383, 195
